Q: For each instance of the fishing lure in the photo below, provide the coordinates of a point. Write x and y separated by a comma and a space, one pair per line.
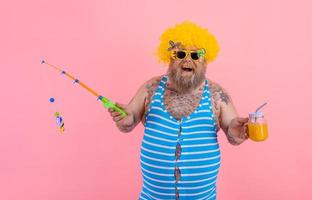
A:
59, 122
106, 102
58, 118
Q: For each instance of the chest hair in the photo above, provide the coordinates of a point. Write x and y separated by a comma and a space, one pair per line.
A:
181, 105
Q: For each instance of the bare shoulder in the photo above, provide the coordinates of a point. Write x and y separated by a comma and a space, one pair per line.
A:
147, 87
152, 83
150, 87
137, 105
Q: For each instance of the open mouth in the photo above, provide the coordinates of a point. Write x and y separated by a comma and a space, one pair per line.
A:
187, 69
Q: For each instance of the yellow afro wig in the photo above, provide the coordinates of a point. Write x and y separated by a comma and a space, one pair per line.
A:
189, 35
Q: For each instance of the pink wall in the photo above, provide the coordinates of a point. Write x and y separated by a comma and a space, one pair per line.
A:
265, 56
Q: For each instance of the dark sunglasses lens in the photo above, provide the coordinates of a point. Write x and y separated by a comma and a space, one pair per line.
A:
181, 54
195, 56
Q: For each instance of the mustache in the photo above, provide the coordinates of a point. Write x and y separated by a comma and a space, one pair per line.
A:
185, 84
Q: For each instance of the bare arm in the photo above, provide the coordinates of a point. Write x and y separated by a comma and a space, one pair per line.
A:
233, 126
135, 109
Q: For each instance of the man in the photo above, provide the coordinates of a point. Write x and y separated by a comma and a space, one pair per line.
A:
182, 112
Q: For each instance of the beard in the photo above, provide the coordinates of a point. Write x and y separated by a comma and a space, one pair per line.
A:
187, 83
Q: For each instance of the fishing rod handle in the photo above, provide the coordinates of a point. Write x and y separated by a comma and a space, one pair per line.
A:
110, 104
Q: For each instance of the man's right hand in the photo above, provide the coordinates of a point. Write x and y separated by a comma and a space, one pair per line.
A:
124, 123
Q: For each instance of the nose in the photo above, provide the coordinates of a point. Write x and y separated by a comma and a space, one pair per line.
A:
188, 59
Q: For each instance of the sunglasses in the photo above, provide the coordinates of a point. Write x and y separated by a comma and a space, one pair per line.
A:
195, 55
177, 171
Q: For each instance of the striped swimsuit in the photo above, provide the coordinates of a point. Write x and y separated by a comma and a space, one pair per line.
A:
199, 161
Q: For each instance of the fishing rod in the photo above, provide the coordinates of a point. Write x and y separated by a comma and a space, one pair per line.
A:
106, 102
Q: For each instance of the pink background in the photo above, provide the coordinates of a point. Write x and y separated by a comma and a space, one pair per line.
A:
265, 56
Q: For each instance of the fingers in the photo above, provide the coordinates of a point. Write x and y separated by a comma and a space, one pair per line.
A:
245, 134
242, 120
239, 120
118, 118
116, 115
124, 123
246, 129
113, 112
241, 126
123, 106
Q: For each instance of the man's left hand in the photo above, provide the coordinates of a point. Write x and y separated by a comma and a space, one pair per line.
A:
238, 128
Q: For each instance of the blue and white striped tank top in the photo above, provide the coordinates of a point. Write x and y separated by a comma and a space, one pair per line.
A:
199, 160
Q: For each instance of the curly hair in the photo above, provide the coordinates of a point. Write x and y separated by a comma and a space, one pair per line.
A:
188, 34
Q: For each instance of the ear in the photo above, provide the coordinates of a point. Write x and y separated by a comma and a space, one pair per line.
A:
171, 62
205, 61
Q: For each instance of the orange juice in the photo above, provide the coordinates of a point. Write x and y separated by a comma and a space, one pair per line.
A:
257, 127
258, 131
